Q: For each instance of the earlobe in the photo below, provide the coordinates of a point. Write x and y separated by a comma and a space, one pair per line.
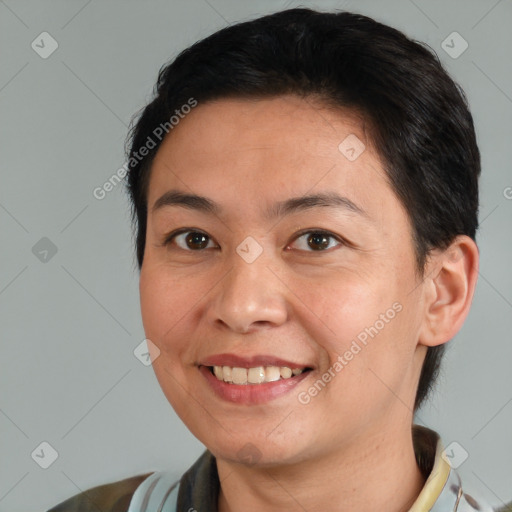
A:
449, 290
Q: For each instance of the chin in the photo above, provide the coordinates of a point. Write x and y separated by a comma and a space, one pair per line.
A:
255, 452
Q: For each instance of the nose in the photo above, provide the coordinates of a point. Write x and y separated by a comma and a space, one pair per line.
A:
250, 297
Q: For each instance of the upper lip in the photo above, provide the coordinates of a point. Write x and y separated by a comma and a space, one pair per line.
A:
249, 362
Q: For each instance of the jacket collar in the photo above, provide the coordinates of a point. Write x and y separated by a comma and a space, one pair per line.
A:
199, 486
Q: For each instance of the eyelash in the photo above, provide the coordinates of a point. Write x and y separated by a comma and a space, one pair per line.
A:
341, 242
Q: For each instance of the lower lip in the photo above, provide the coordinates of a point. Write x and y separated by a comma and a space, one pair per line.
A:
251, 394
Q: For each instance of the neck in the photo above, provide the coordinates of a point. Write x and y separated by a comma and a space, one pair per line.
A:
377, 472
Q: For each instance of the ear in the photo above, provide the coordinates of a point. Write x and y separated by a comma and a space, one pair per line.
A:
449, 286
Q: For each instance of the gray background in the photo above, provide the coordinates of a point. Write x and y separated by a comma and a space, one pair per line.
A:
70, 324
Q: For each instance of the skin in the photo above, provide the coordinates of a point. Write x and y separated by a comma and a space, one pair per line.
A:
350, 448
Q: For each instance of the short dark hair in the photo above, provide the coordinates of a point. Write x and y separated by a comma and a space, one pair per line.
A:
417, 116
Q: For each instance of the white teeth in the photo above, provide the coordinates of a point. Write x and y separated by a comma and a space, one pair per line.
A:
256, 375
226, 373
239, 375
272, 373
285, 372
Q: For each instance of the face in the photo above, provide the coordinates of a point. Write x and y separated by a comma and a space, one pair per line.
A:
296, 255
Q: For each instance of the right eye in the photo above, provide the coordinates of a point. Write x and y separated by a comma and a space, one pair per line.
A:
188, 240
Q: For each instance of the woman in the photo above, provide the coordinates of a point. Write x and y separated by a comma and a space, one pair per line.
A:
305, 197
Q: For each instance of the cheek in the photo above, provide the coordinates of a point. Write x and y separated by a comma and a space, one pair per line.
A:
165, 301
365, 322
345, 306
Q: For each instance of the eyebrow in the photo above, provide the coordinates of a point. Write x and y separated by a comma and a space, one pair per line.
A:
279, 209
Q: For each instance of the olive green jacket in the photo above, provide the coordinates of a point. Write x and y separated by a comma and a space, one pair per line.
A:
112, 497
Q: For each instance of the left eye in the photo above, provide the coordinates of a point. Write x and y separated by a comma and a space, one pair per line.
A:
318, 241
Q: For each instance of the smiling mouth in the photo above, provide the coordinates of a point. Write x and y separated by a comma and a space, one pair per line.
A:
255, 375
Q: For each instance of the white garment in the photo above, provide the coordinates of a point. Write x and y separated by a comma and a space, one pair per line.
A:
157, 493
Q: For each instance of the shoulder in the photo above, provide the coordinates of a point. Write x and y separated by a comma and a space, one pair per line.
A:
112, 497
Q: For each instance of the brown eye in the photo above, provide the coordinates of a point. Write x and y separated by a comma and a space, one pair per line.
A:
190, 240
317, 241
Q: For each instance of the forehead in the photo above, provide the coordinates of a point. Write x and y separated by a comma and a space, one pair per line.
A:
286, 125
269, 149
